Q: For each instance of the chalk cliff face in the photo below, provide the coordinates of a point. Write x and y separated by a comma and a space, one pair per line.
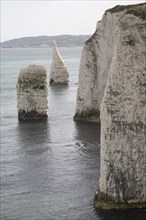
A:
94, 66
122, 181
32, 93
95, 63
58, 73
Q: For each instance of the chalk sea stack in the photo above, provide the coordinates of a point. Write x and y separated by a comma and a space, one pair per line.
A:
32, 93
58, 73
122, 106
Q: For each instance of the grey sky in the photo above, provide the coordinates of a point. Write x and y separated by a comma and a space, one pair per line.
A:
33, 18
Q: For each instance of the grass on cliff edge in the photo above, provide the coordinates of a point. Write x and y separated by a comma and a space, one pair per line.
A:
138, 10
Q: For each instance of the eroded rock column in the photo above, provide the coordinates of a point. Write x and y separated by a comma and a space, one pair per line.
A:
32, 93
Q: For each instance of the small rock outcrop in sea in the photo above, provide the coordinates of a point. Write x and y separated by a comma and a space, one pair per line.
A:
122, 181
32, 93
58, 73
97, 57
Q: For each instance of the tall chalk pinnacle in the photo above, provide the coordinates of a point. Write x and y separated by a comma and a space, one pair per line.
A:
58, 74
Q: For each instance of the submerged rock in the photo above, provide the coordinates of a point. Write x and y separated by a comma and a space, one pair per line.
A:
58, 74
122, 181
32, 93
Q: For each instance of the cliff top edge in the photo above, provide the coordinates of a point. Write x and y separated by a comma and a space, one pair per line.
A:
138, 10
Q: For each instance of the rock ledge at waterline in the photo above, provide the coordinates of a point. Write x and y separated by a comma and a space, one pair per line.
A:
98, 56
58, 73
32, 93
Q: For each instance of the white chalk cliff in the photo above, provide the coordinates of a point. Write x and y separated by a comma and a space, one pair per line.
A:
94, 66
112, 81
32, 93
58, 73
97, 57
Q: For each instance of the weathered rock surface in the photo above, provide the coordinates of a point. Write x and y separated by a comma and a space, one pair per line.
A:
122, 181
95, 63
94, 66
32, 93
58, 73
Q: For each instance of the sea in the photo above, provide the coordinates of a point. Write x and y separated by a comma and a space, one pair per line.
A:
49, 169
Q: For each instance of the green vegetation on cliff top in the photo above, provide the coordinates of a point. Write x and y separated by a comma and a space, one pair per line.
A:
138, 10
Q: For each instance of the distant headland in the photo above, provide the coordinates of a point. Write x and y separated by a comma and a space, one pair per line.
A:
46, 41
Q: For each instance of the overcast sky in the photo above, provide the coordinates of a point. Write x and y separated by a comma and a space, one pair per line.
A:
43, 17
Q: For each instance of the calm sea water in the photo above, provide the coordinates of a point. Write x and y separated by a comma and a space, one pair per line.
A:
49, 170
